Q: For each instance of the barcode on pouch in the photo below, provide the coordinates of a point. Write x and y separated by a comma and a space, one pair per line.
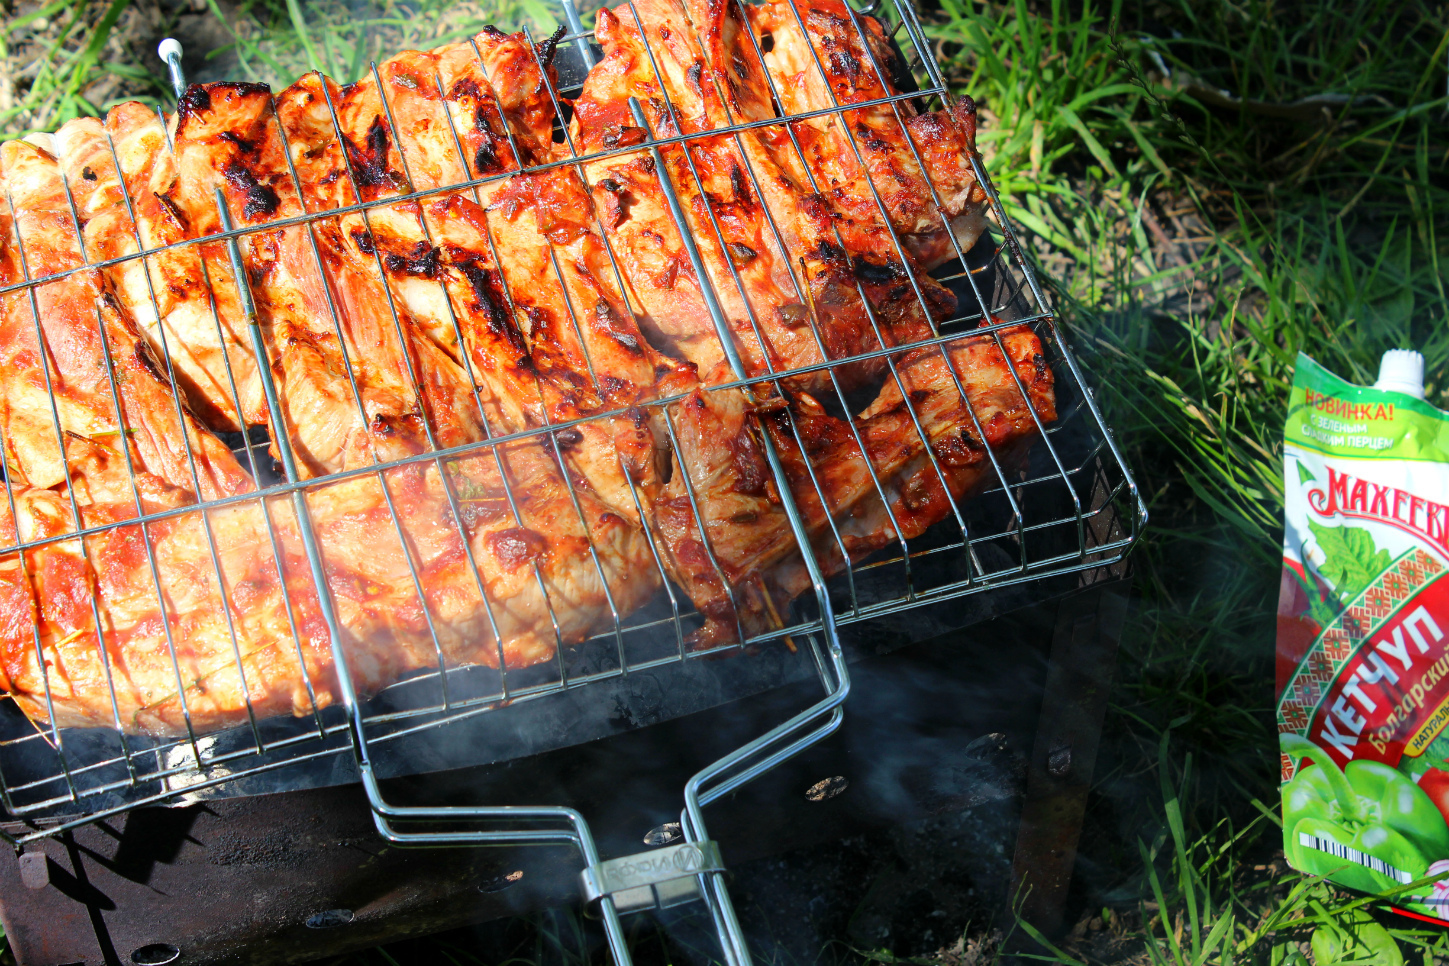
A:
1355, 856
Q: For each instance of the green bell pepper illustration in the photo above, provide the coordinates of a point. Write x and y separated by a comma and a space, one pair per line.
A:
1366, 806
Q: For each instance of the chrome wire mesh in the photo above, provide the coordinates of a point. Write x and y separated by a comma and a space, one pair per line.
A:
1071, 506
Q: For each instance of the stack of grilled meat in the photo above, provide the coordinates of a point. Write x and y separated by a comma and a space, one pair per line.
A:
553, 289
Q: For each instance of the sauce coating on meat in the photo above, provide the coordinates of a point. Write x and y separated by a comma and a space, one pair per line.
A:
439, 259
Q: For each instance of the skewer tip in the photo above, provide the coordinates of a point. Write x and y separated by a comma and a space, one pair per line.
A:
168, 48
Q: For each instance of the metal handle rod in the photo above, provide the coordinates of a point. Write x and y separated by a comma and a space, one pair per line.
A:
736, 950
169, 50
577, 834
576, 27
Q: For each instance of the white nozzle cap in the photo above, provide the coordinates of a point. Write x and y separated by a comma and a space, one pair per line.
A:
1402, 370
168, 48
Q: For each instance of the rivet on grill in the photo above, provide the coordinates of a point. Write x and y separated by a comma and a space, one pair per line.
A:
500, 882
155, 954
986, 746
826, 788
35, 870
663, 834
327, 919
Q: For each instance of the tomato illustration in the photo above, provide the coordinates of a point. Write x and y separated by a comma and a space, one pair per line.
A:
1295, 635
1435, 783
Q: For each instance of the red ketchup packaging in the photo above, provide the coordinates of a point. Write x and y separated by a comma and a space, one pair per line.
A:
1363, 634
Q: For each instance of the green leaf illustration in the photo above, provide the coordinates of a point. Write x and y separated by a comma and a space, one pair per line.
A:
1353, 559
1322, 611
1305, 474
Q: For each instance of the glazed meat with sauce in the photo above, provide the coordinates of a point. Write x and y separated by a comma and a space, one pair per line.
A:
499, 579
823, 55
446, 253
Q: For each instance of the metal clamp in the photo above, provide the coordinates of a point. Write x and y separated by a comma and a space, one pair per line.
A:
659, 878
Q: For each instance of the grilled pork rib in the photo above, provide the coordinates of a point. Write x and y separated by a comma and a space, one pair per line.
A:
433, 265
824, 56
580, 332
114, 470
94, 340
545, 559
552, 563
184, 299
721, 521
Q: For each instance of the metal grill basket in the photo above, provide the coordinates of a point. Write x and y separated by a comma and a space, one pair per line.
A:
1072, 508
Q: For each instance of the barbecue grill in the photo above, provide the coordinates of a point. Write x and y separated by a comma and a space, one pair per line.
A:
1071, 510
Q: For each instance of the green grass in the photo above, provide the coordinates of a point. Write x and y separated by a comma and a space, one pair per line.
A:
275, 41
72, 58
1209, 187
65, 59
1196, 242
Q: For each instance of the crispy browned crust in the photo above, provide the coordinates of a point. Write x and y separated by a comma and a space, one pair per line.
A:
865, 153
471, 312
551, 564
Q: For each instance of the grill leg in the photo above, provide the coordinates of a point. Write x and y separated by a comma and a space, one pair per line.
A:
1074, 703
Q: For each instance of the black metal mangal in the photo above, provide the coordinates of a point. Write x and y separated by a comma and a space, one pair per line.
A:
1073, 510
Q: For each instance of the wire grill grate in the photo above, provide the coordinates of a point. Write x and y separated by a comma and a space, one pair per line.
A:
1069, 506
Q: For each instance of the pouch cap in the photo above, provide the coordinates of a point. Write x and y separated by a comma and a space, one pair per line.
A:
1402, 370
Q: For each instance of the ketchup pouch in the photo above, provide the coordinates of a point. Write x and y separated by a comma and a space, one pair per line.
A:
1363, 639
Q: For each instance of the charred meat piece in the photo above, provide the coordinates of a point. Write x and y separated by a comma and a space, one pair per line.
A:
578, 331
630, 196
414, 397
715, 79
977, 399
845, 253
438, 260
184, 298
122, 458
822, 56
502, 579
720, 517
550, 560
227, 137
88, 340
